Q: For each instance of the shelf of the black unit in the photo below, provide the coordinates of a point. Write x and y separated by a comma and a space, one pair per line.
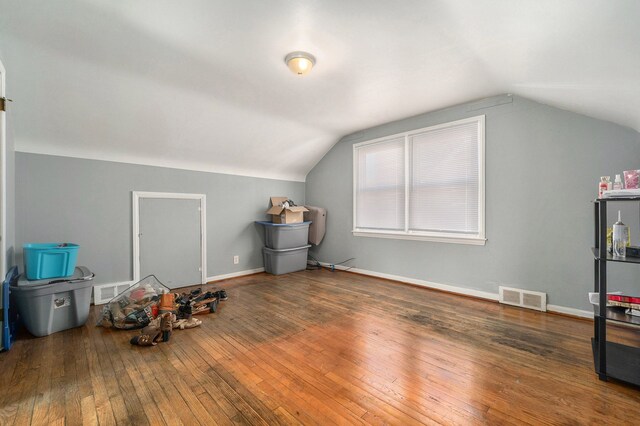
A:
623, 362
604, 200
611, 258
617, 314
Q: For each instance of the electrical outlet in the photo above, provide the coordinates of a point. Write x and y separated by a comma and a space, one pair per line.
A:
236, 260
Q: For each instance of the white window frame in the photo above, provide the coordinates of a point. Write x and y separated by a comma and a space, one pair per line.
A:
442, 237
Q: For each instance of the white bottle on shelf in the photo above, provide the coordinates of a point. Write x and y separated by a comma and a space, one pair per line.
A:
620, 237
617, 184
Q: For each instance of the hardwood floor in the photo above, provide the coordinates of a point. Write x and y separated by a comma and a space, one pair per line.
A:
320, 347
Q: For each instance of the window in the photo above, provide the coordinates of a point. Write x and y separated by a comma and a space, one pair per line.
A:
426, 184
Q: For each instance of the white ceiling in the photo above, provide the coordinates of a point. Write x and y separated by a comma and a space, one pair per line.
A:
202, 84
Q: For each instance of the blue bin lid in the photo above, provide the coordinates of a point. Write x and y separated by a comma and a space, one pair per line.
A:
49, 246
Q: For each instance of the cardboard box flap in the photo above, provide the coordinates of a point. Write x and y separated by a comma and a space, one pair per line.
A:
297, 209
276, 205
277, 201
275, 210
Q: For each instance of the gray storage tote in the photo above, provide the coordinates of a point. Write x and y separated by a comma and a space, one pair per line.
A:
279, 262
48, 308
280, 236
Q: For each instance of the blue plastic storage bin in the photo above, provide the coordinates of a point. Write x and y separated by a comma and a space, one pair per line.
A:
50, 260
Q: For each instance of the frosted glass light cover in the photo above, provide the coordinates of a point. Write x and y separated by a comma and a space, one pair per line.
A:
300, 62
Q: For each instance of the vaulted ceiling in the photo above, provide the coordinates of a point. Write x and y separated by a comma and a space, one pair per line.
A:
201, 84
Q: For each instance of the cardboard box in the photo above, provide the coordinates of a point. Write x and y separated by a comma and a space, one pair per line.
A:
282, 214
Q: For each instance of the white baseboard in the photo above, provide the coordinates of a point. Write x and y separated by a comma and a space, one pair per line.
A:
445, 287
570, 311
234, 274
458, 290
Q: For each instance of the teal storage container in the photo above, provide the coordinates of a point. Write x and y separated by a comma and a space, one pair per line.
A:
50, 260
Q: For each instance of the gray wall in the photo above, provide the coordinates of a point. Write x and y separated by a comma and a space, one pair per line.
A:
542, 169
89, 202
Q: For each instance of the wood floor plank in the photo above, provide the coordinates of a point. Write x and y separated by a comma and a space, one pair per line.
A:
28, 388
99, 382
175, 373
114, 383
212, 396
8, 364
42, 401
159, 397
56, 404
137, 396
11, 395
313, 389
71, 380
286, 417
320, 347
88, 408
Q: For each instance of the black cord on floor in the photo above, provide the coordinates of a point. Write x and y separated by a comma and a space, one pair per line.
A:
315, 264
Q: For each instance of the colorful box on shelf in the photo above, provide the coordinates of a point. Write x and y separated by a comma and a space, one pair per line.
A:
631, 179
623, 301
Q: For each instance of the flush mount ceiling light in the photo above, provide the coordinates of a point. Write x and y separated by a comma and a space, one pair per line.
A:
300, 62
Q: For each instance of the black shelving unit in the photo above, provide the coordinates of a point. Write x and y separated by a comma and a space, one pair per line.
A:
611, 360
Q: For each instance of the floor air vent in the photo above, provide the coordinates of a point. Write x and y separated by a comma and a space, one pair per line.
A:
523, 298
102, 293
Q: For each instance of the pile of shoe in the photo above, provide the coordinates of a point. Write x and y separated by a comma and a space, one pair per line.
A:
175, 312
199, 302
134, 307
158, 330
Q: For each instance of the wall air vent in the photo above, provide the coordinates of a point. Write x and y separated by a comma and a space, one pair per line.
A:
102, 293
523, 298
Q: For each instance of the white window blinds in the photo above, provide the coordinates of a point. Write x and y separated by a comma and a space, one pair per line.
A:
444, 179
380, 188
424, 184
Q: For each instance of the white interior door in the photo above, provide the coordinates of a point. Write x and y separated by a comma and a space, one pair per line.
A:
170, 239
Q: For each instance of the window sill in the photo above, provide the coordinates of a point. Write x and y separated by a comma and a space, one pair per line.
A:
453, 239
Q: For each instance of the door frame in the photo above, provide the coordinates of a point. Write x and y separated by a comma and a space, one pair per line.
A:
138, 195
3, 177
